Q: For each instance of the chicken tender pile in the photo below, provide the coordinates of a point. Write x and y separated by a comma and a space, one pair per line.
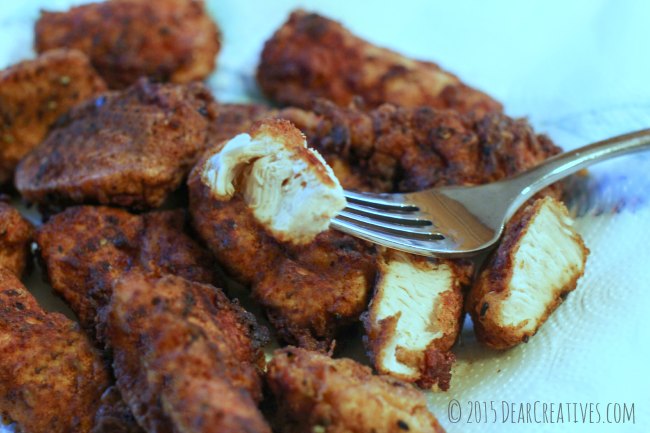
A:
312, 56
129, 148
51, 378
33, 94
15, 238
186, 358
165, 40
318, 394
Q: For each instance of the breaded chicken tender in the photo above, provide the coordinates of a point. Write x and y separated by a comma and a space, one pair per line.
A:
51, 378
33, 94
316, 393
415, 316
165, 40
186, 358
290, 189
113, 415
538, 263
309, 291
129, 148
312, 56
15, 239
86, 249
233, 119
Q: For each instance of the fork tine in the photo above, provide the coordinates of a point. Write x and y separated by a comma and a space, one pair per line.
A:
380, 201
385, 227
408, 219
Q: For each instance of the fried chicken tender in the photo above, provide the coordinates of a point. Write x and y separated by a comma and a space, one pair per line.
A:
312, 56
15, 239
129, 148
233, 119
186, 358
85, 249
318, 394
309, 291
538, 263
113, 415
33, 94
165, 40
415, 316
51, 378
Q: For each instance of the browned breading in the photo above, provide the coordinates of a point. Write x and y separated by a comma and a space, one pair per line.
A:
86, 248
51, 378
33, 94
166, 40
233, 119
415, 316
309, 292
113, 415
537, 264
129, 148
312, 56
315, 393
185, 357
392, 149
15, 239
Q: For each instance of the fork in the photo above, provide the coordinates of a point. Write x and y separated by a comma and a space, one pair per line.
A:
458, 221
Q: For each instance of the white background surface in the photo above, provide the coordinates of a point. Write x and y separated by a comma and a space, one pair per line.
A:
579, 71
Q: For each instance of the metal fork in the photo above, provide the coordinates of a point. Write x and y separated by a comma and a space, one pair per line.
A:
459, 221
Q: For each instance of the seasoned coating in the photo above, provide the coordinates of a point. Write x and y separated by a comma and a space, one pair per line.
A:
113, 415
51, 378
315, 393
312, 56
33, 94
538, 263
165, 40
415, 317
128, 148
393, 149
15, 239
186, 358
86, 248
233, 119
309, 292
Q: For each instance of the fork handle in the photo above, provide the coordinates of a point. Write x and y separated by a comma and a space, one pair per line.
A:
565, 164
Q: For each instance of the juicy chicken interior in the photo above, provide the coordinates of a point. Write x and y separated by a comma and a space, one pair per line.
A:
312, 56
415, 316
316, 393
539, 261
51, 377
129, 148
33, 94
165, 40
290, 189
15, 239
186, 358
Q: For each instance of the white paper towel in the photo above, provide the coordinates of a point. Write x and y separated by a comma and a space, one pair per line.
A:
579, 70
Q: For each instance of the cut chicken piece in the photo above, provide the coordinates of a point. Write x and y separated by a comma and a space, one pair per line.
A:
51, 378
15, 240
165, 40
312, 56
33, 94
186, 358
415, 317
539, 261
289, 187
315, 393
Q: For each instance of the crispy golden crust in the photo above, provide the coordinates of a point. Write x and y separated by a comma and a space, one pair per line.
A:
315, 393
166, 40
311, 56
128, 148
309, 292
86, 248
494, 286
393, 149
33, 94
177, 345
51, 378
15, 239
